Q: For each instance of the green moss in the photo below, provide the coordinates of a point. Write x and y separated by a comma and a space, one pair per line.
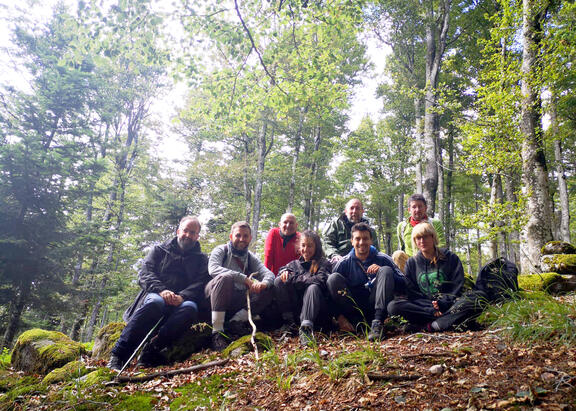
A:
538, 282
243, 345
136, 401
355, 358
97, 377
560, 263
193, 340
10, 380
205, 393
19, 393
5, 358
106, 338
73, 369
558, 247
54, 350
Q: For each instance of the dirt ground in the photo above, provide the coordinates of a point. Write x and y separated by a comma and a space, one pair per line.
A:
472, 370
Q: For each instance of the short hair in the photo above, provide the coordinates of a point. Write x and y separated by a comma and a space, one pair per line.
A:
319, 252
422, 230
361, 227
417, 197
400, 258
241, 224
354, 199
191, 218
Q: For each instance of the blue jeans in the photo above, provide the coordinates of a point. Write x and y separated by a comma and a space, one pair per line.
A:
175, 321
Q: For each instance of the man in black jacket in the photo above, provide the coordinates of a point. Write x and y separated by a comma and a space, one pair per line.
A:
172, 278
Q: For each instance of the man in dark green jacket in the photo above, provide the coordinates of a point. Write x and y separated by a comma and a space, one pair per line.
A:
337, 234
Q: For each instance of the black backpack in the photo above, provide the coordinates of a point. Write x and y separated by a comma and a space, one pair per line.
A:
498, 279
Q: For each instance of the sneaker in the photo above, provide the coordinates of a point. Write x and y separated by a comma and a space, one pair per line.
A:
219, 342
115, 363
306, 337
376, 332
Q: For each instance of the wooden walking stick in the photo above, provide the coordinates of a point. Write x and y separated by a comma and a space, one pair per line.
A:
251, 321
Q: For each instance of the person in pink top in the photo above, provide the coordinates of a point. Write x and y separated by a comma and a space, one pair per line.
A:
281, 244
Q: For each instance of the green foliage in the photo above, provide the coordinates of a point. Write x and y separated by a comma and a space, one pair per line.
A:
205, 393
534, 317
538, 282
5, 358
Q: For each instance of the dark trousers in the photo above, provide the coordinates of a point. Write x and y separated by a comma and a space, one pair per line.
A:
176, 321
307, 302
225, 296
360, 303
464, 311
417, 311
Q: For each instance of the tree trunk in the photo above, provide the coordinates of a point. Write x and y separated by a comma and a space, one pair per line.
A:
294, 170
535, 174
436, 36
15, 312
441, 194
262, 152
513, 246
447, 220
246, 182
309, 202
564, 230
418, 138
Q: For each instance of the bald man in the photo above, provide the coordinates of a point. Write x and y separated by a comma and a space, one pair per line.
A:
337, 235
281, 244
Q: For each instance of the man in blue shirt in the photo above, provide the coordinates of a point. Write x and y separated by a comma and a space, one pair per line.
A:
364, 282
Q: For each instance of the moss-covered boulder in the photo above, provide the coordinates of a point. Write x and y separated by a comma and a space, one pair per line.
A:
195, 339
100, 376
559, 263
552, 283
73, 369
558, 247
243, 345
40, 351
105, 340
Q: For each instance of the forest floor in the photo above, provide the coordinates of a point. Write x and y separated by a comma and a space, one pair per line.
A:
471, 370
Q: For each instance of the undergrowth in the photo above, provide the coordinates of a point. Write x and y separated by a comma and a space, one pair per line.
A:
534, 317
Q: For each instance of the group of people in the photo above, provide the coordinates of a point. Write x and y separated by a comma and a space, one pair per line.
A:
305, 282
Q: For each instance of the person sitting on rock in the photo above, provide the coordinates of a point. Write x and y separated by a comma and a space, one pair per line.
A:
300, 287
281, 245
172, 279
234, 269
434, 280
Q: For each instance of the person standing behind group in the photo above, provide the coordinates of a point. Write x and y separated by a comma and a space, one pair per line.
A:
434, 280
231, 267
301, 287
338, 233
282, 243
418, 214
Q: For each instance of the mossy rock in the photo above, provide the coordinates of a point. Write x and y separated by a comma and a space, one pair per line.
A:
40, 351
105, 340
101, 375
243, 345
195, 339
559, 263
73, 369
538, 282
558, 247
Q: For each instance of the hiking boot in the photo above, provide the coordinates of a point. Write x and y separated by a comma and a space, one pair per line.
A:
289, 328
306, 336
115, 363
344, 325
219, 342
151, 357
376, 331
239, 328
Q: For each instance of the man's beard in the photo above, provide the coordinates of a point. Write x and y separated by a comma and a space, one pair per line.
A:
186, 244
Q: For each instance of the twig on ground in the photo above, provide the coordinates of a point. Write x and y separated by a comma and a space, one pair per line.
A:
169, 373
392, 377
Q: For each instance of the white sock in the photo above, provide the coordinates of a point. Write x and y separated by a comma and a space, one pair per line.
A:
218, 321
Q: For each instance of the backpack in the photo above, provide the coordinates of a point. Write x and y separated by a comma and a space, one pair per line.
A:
498, 279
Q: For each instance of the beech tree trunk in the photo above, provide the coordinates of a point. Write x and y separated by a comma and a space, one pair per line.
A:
436, 36
263, 150
538, 229
15, 312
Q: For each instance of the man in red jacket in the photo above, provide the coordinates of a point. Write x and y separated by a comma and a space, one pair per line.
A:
281, 244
